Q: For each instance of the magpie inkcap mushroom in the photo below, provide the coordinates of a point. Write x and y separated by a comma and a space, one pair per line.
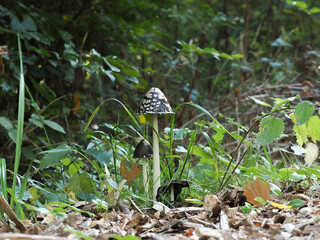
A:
143, 150
155, 103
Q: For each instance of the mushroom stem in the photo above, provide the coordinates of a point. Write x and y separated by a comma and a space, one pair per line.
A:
145, 178
156, 158
172, 193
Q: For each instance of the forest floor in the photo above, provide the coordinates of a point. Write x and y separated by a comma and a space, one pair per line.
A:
216, 219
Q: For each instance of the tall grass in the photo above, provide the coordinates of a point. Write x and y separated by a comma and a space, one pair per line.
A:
20, 126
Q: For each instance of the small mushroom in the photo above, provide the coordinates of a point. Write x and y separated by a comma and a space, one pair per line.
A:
155, 103
143, 150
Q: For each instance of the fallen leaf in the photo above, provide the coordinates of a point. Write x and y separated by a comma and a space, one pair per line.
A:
312, 152
257, 189
280, 206
129, 175
188, 233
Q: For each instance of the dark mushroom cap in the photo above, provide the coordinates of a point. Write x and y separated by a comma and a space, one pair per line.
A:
143, 150
154, 102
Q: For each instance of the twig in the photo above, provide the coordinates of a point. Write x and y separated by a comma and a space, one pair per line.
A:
135, 206
4, 206
222, 184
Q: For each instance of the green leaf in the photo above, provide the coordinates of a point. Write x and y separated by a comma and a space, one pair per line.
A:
225, 55
108, 73
260, 102
261, 200
300, 4
303, 112
54, 126
247, 208
194, 201
313, 126
271, 129
236, 56
5, 122
26, 25
314, 10
113, 68
128, 237
53, 156
200, 152
296, 203
81, 183
280, 102
178, 133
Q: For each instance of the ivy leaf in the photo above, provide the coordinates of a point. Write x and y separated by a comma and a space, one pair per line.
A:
53, 156
303, 112
271, 129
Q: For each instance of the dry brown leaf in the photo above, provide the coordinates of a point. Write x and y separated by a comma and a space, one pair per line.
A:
257, 189
129, 175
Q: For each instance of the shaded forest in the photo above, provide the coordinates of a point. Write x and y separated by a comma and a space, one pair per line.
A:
241, 77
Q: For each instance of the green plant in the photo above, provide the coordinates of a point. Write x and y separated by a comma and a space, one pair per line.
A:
19, 130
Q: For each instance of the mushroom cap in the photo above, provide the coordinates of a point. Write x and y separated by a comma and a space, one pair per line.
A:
154, 102
143, 150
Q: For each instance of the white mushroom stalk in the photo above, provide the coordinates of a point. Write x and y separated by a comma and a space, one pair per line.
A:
156, 157
155, 103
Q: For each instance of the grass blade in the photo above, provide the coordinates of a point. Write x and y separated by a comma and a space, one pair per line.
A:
20, 124
3, 178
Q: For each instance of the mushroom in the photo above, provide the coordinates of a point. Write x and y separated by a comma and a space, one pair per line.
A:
155, 103
143, 150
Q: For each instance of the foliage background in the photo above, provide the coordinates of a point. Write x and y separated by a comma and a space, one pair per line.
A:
214, 53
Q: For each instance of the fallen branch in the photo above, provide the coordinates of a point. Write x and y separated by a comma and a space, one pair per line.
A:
5, 207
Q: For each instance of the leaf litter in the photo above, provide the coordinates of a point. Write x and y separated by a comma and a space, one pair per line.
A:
221, 217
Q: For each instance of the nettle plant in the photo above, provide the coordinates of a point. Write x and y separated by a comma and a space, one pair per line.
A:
306, 126
271, 128
211, 166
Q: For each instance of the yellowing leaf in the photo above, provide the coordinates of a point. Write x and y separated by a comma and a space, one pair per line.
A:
279, 206
313, 127
301, 132
142, 119
257, 189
